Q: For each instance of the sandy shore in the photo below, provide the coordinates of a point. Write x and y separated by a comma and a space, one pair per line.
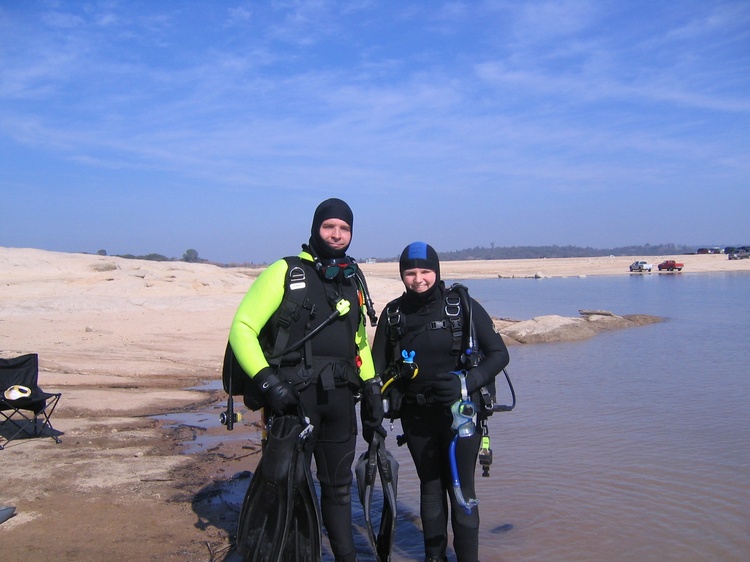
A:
124, 340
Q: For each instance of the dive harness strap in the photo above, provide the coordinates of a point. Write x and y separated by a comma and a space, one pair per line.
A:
294, 300
464, 390
295, 291
237, 382
456, 308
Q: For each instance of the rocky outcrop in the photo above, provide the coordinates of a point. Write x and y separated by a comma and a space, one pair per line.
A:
553, 328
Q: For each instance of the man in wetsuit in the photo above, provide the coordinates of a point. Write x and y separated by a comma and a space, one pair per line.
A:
325, 374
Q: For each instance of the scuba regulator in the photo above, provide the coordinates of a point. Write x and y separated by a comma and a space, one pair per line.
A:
229, 417
406, 370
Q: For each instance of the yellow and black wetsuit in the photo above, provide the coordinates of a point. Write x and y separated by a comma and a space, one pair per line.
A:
344, 339
326, 372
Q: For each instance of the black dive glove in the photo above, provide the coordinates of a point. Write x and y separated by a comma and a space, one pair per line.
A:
279, 395
371, 409
446, 388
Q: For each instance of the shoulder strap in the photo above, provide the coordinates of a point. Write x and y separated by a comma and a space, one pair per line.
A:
395, 328
235, 380
453, 312
295, 291
466, 340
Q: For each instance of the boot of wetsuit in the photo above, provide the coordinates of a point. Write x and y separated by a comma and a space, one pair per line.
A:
433, 559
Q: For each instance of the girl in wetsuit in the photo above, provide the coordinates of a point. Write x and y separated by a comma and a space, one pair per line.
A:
416, 321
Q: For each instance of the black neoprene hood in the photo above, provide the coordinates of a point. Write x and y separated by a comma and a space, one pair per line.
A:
419, 255
332, 208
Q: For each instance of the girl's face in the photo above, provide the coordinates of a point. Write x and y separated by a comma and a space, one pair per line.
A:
418, 280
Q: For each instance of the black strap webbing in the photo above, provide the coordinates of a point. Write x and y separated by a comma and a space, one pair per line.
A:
452, 311
295, 291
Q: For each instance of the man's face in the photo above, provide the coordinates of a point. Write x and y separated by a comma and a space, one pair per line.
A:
336, 233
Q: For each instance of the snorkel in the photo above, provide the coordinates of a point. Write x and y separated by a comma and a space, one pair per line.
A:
464, 423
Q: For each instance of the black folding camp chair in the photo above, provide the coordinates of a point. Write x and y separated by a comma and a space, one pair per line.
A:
25, 409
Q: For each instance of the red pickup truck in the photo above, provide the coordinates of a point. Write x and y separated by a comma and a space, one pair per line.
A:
671, 265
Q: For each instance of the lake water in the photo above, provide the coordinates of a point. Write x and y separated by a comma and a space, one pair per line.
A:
633, 445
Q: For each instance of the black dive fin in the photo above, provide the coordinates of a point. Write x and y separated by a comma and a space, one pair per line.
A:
303, 542
388, 470
280, 513
366, 471
373, 462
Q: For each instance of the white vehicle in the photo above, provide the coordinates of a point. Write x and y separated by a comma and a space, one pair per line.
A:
641, 266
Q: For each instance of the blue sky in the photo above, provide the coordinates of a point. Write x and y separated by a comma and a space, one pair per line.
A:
140, 126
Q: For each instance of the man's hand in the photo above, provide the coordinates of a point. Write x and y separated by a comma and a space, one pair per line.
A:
280, 396
371, 409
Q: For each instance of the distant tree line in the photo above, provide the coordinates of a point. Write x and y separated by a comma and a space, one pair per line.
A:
482, 253
554, 251
190, 256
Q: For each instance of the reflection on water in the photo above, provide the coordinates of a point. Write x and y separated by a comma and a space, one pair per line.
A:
631, 446
603, 464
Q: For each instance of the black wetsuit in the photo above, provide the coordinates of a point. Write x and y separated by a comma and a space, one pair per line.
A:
326, 374
427, 424
332, 365
329, 402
